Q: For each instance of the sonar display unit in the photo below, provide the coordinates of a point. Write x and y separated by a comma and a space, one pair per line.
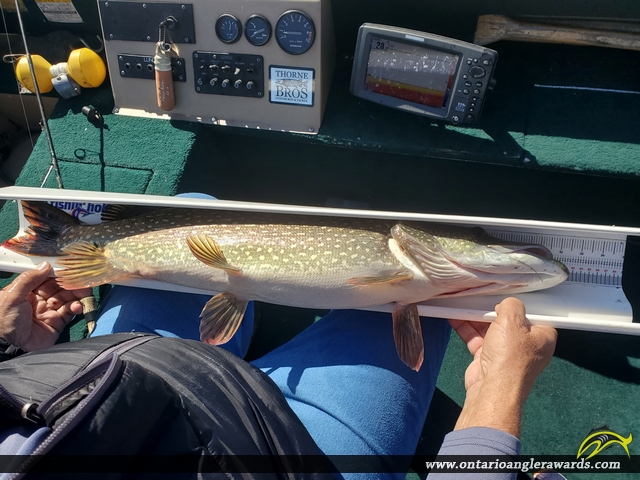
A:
422, 73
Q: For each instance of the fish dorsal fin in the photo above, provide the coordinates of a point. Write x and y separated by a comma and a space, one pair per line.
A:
221, 317
407, 334
205, 249
113, 212
396, 277
86, 266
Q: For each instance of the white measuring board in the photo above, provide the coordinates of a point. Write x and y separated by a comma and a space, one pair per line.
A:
591, 299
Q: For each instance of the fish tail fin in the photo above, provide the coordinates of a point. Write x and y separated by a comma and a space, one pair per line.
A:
46, 225
86, 266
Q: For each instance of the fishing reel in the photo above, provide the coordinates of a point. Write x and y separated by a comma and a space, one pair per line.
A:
84, 68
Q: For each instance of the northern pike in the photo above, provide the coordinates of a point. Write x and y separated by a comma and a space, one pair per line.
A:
295, 260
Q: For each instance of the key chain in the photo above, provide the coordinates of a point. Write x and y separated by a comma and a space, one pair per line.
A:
162, 60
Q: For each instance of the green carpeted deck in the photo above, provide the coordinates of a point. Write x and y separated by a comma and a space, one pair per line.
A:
562, 154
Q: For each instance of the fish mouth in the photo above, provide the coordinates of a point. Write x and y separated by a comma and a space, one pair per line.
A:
537, 259
476, 282
482, 281
536, 250
487, 289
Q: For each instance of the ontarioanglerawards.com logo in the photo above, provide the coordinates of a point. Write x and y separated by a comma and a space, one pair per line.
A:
602, 438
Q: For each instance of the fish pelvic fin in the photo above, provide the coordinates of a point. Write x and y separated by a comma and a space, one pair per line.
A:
397, 277
86, 266
407, 334
205, 249
221, 317
46, 224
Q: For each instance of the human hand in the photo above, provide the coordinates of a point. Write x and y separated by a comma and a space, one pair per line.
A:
34, 309
508, 355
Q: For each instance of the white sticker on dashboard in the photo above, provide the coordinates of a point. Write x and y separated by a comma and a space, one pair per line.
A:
291, 86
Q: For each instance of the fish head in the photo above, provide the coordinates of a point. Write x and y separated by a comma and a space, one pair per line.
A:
461, 261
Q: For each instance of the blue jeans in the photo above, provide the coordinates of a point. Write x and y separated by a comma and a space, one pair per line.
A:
341, 376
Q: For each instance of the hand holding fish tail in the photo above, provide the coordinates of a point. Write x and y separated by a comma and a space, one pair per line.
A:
34, 310
509, 354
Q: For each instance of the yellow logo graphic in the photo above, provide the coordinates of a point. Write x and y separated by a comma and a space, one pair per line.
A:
603, 438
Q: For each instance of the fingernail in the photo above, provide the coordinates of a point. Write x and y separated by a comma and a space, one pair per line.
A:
43, 266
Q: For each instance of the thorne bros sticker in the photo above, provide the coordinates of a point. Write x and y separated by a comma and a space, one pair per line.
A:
292, 86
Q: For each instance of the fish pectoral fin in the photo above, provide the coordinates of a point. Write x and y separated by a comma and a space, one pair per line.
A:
397, 277
205, 249
407, 334
86, 266
221, 317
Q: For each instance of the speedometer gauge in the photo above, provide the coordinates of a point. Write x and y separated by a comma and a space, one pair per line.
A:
295, 32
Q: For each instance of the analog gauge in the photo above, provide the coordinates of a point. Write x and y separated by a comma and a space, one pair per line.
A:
295, 32
257, 30
228, 28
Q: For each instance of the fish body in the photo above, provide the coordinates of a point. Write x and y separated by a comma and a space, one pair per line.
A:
302, 261
303, 266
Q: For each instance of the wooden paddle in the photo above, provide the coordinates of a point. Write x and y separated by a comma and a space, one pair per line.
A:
492, 28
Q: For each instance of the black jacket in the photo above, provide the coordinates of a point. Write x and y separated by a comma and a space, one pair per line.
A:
197, 406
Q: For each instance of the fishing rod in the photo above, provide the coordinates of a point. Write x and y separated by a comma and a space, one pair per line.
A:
45, 125
12, 56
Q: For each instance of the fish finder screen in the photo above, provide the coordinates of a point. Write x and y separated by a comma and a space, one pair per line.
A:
410, 73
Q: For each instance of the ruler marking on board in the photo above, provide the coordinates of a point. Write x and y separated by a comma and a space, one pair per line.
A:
593, 261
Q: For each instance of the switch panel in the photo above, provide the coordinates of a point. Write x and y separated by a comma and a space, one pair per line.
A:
228, 74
